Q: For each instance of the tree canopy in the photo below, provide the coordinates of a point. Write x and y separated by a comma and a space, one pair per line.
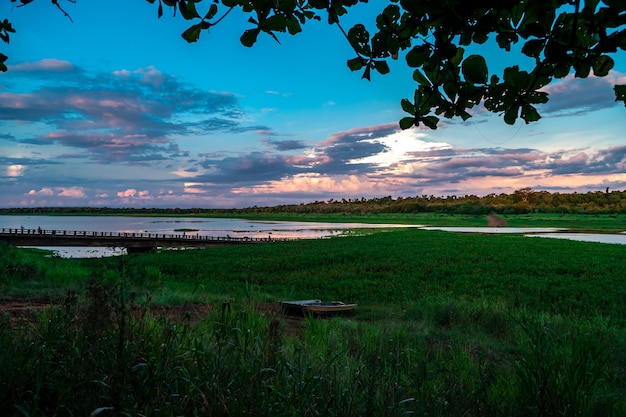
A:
560, 37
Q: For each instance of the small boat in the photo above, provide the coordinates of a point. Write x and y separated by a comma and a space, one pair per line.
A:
317, 306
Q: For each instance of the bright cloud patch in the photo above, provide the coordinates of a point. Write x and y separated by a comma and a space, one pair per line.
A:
42, 192
16, 170
133, 193
400, 146
307, 183
73, 192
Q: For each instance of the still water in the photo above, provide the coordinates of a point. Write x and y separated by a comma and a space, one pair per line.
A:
215, 227
245, 228
618, 239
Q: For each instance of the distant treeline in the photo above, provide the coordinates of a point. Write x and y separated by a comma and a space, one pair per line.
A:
521, 201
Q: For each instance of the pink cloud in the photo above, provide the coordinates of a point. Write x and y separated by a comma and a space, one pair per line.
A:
132, 193
73, 192
47, 65
44, 191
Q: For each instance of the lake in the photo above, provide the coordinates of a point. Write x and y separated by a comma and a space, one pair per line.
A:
219, 227
548, 232
216, 227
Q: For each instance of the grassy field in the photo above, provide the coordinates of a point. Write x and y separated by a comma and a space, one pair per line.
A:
447, 325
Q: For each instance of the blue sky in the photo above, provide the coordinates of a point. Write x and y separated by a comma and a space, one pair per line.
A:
116, 109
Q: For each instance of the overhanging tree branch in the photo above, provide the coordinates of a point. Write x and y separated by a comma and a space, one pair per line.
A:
559, 35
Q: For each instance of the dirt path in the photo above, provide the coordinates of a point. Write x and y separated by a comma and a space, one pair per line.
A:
496, 221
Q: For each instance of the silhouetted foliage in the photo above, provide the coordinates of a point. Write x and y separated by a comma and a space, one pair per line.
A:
558, 37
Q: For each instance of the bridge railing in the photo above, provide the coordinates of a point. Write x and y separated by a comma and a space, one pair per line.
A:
133, 235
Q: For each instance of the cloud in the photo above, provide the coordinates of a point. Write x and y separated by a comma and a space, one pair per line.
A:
46, 191
149, 75
124, 115
386, 158
251, 167
309, 184
15, 170
277, 93
606, 161
401, 146
577, 96
337, 155
44, 66
140, 123
285, 145
72, 192
132, 193
112, 147
7, 137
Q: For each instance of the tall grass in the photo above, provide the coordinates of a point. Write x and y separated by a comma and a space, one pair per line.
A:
237, 362
447, 324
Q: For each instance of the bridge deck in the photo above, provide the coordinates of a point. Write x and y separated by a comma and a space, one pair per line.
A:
131, 241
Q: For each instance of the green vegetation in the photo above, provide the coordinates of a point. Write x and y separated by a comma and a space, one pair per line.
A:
447, 324
522, 201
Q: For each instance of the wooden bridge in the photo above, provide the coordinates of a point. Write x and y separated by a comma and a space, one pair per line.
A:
133, 242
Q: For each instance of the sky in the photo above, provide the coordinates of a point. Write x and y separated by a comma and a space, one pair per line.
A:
115, 109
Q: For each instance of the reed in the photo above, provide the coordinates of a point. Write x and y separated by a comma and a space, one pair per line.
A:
237, 362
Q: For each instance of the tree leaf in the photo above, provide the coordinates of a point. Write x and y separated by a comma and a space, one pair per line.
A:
366, 73
406, 123
480, 38
188, 10
582, 69
356, 64
407, 106
418, 55
382, 67
430, 121
510, 114
211, 13
533, 47
474, 69
421, 78
274, 23
602, 65
193, 33
620, 93
530, 113
293, 26
249, 37
3, 58
359, 38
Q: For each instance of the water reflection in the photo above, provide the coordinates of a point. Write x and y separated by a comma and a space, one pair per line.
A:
83, 252
242, 228
494, 229
540, 232
190, 227
586, 237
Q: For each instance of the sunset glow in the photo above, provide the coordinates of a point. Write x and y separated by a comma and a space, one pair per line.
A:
141, 118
